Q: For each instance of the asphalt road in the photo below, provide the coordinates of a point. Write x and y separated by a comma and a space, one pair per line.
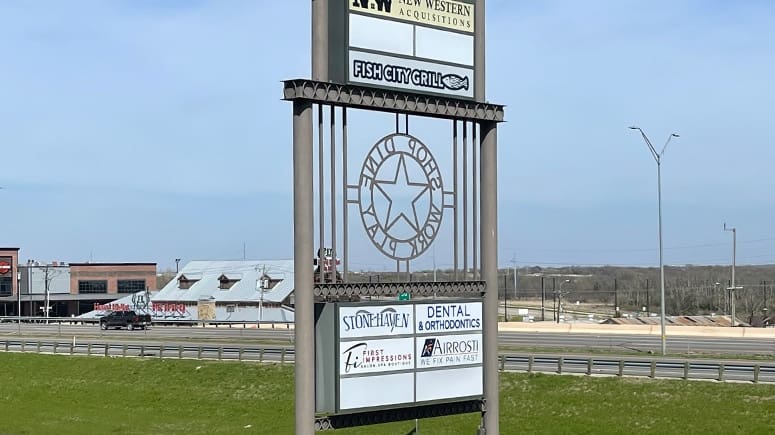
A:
579, 342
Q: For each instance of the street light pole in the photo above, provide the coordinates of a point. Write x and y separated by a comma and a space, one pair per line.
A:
733, 288
658, 158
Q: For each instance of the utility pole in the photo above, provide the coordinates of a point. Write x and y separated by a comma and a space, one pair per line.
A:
616, 298
543, 298
648, 298
46, 286
505, 307
19, 295
554, 300
515, 280
262, 284
559, 299
732, 288
29, 287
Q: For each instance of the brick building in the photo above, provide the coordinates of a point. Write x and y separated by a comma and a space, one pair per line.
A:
67, 289
9, 275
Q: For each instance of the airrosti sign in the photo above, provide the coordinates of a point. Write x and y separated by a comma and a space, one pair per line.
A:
423, 46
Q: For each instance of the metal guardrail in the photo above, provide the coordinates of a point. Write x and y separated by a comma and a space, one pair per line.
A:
688, 369
270, 354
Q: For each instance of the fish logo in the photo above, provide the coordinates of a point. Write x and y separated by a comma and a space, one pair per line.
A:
455, 82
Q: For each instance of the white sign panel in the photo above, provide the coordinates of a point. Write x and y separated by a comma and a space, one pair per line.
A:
372, 321
396, 38
410, 74
366, 392
375, 356
381, 35
444, 46
448, 350
449, 384
449, 317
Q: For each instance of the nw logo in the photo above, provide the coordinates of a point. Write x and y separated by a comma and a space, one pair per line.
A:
381, 4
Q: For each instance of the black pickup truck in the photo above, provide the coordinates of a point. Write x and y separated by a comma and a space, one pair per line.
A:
125, 319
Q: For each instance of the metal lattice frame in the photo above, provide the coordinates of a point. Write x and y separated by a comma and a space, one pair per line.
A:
419, 289
361, 97
390, 415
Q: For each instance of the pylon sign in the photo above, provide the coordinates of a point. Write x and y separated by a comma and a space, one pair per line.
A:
418, 46
402, 348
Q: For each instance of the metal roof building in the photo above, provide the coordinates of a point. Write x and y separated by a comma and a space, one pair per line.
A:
239, 291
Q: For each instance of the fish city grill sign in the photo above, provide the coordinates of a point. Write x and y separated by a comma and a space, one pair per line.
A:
375, 69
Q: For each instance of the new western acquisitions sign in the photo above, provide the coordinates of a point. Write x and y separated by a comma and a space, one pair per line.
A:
423, 46
450, 14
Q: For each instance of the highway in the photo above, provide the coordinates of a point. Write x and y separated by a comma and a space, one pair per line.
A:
508, 340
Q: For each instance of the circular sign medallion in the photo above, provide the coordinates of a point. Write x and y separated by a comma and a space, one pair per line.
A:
5, 267
401, 196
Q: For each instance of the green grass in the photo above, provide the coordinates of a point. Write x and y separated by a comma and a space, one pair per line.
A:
45, 394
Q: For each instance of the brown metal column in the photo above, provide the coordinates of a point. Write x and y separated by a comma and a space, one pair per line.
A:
489, 239
303, 234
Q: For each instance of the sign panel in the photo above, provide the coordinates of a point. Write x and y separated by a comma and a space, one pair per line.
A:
449, 350
402, 354
410, 74
421, 46
366, 392
449, 14
449, 384
392, 37
374, 321
449, 317
375, 356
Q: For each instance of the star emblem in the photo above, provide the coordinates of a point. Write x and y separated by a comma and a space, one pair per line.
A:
401, 195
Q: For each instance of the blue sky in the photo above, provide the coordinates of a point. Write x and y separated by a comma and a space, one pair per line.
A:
149, 131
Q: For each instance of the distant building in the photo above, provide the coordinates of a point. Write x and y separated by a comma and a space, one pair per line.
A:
9, 273
240, 291
69, 289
